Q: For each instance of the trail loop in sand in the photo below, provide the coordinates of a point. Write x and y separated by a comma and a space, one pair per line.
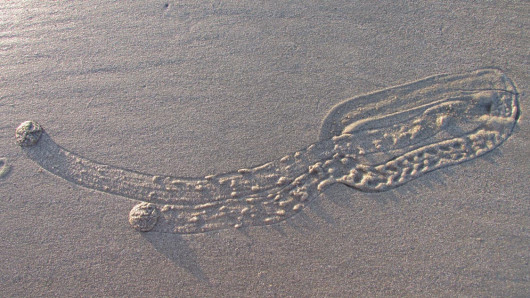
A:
372, 143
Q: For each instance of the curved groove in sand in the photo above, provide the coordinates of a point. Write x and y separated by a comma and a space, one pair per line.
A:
372, 143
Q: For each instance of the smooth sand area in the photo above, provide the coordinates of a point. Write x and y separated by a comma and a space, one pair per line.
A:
264, 149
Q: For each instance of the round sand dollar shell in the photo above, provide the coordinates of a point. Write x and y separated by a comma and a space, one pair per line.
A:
144, 216
28, 133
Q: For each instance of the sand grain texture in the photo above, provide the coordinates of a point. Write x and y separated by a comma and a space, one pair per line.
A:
180, 89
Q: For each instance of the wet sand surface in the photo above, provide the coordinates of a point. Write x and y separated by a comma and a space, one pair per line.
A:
180, 89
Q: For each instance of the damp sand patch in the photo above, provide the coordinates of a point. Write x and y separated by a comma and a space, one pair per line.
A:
372, 143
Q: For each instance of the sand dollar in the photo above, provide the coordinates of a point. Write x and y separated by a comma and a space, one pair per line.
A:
144, 216
28, 133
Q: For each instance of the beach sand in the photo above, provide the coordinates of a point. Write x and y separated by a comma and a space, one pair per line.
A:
181, 89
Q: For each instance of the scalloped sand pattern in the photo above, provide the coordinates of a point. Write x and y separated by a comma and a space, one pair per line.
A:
372, 143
